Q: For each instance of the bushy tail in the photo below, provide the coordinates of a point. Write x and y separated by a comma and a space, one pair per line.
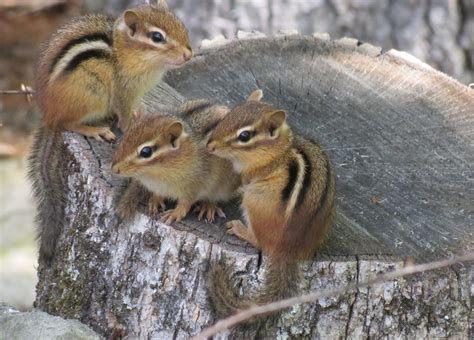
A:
280, 282
48, 181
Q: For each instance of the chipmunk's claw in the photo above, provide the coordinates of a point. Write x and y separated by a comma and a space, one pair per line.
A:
156, 204
210, 210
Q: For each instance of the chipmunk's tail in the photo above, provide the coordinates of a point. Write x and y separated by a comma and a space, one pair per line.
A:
280, 282
49, 192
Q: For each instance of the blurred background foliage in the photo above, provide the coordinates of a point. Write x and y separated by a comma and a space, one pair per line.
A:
439, 32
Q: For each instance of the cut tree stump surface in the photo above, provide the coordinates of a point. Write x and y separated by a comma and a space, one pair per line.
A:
394, 129
399, 135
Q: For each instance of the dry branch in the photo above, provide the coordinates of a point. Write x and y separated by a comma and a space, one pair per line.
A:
25, 90
276, 306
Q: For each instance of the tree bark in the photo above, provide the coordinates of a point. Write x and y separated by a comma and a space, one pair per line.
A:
399, 134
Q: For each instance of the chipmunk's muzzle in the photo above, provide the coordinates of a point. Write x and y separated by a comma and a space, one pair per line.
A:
180, 61
116, 169
211, 146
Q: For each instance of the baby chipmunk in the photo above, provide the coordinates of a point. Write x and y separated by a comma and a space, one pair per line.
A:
288, 190
94, 67
167, 156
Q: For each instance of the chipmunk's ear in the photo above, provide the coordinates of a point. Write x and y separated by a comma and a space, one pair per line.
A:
221, 111
162, 4
256, 95
158, 3
275, 120
131, 19
175, 130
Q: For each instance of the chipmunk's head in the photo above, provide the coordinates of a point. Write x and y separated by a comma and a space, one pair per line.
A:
250, 135
153, 35
153, 144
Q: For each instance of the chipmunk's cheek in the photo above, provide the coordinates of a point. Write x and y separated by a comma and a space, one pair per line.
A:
237, 165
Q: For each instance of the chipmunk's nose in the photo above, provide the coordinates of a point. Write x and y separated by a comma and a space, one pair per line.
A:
115, 169
211, 146
187, 55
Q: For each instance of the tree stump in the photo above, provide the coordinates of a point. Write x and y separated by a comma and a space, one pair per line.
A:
399, 135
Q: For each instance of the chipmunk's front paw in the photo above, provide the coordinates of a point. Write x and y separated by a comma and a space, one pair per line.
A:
156, 204
174, 215
210, 209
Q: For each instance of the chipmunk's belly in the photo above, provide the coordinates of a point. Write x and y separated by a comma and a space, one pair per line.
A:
222, 190
263, 212
160, 188
221, 193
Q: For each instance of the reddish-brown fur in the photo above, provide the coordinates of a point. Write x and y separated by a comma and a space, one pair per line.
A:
115, 81
185, 172
112, 80
287, 200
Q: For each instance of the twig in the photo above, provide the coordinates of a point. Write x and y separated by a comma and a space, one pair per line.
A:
252, 312
25, 90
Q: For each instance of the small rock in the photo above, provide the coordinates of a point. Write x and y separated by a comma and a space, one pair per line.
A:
40, 325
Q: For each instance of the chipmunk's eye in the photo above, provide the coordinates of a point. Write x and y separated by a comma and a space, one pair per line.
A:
146, 152
244, 136
157, 37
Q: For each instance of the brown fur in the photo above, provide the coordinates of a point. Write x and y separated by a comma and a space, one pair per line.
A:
188, 172
69, 99
288, 198
112, 82
115, 82
202, 115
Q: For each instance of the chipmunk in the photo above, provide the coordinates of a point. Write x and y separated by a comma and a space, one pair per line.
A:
92, 68
288, 190
166, 155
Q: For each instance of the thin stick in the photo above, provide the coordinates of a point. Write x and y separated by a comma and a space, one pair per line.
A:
25, 90
252, 312
16, 92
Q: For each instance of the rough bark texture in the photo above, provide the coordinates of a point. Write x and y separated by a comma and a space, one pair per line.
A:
394, 127
439, 32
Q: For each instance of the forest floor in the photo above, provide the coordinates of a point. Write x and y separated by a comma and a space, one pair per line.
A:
18, 254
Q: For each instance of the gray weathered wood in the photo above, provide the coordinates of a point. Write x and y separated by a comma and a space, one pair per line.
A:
438, 32
394, 127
